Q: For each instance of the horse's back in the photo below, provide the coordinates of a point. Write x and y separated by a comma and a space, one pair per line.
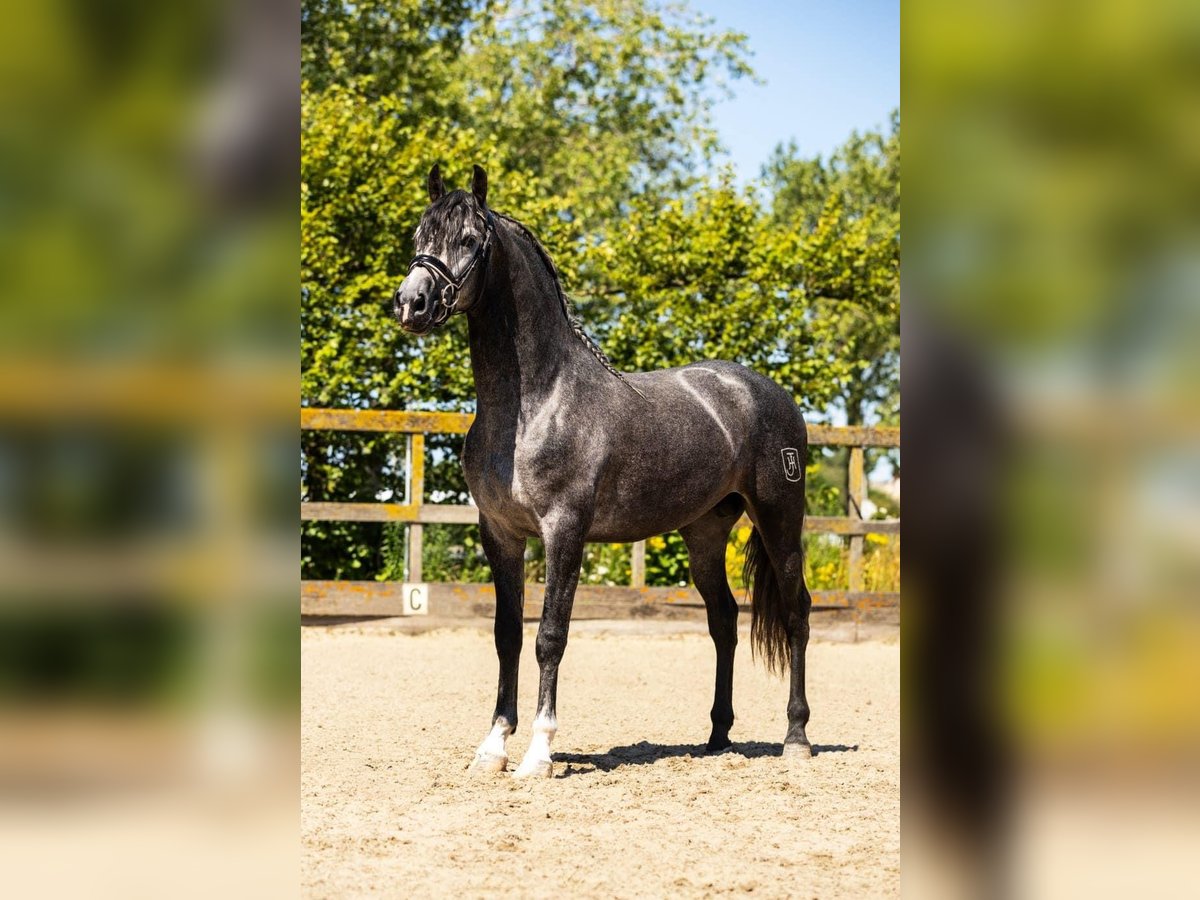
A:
744, 401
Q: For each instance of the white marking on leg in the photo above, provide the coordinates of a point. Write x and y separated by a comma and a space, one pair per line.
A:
492, 755
537, 758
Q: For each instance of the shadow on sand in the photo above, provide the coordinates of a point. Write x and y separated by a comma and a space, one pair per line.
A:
644, 753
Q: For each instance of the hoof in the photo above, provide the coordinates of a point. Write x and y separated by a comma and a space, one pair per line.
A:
489, 762
798, 751
718, 745
539, 768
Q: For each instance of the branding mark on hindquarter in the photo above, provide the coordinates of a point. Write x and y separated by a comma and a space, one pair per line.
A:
792, 470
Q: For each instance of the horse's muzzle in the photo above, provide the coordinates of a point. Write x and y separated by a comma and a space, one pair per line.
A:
412, 305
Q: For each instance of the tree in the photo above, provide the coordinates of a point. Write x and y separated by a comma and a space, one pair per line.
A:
591, 117
849, 205
572, 106
709, 276
864, 173
387, 47
617, 89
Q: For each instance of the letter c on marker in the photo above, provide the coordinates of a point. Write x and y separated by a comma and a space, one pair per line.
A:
412, 599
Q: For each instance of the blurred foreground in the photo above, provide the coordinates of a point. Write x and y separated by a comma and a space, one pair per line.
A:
148, 661
1052, 443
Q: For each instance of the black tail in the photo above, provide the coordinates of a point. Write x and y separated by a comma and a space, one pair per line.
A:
770, 635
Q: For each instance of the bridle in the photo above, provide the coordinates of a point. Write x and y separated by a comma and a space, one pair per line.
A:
448, 286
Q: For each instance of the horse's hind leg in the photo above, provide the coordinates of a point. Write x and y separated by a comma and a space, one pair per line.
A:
796, 742
706, 539
779, 527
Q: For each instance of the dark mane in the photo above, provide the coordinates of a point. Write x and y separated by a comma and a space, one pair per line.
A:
449, 216
568, 310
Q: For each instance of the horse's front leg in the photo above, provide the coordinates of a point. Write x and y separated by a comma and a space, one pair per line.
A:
506, 554
563, 536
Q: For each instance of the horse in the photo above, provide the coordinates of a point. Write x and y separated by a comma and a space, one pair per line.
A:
568, 449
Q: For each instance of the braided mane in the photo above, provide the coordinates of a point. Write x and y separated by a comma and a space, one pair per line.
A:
568, 311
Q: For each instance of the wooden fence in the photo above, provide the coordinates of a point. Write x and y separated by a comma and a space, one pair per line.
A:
347, 598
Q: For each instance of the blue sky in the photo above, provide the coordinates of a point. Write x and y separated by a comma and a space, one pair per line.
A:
829, 68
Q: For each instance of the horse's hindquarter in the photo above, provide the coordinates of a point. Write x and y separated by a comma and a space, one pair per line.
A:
672, 456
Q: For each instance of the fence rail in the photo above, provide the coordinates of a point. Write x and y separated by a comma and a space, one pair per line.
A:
357, 598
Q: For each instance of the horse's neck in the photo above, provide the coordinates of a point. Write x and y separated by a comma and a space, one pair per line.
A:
523, 350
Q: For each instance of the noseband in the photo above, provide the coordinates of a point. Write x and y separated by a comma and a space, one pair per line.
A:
448, 286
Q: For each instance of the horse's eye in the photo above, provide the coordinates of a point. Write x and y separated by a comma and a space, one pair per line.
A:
466, 240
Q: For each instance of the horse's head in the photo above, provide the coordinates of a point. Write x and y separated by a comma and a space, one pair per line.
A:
452, 243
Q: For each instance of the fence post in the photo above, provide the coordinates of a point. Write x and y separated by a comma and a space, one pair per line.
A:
415, 496
638, 560
856, 480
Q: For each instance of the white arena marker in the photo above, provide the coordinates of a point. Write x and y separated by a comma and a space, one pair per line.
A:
416, 599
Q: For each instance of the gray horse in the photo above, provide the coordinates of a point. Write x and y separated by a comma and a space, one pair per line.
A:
567, 449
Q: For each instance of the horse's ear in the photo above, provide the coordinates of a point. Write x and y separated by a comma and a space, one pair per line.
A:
436, 187
479, 186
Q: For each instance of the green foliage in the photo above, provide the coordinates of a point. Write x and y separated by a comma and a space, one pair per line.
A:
709, 276
849, 206
592, 119
386, 46
454, 553
606, 564
863, 174
667, 561
118, 656
395, 542
887, 507
826, 560
339, 466
824, 479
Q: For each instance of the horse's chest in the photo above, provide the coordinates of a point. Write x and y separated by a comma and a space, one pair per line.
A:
514, 476
488, 468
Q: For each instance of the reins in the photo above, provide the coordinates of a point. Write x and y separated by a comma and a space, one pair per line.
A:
451, 287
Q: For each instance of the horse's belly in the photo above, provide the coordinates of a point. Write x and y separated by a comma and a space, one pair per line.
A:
640, 504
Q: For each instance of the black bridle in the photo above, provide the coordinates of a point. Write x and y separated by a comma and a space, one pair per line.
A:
448, 286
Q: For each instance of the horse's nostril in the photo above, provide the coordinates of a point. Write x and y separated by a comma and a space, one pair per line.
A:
396, 298
418, 304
